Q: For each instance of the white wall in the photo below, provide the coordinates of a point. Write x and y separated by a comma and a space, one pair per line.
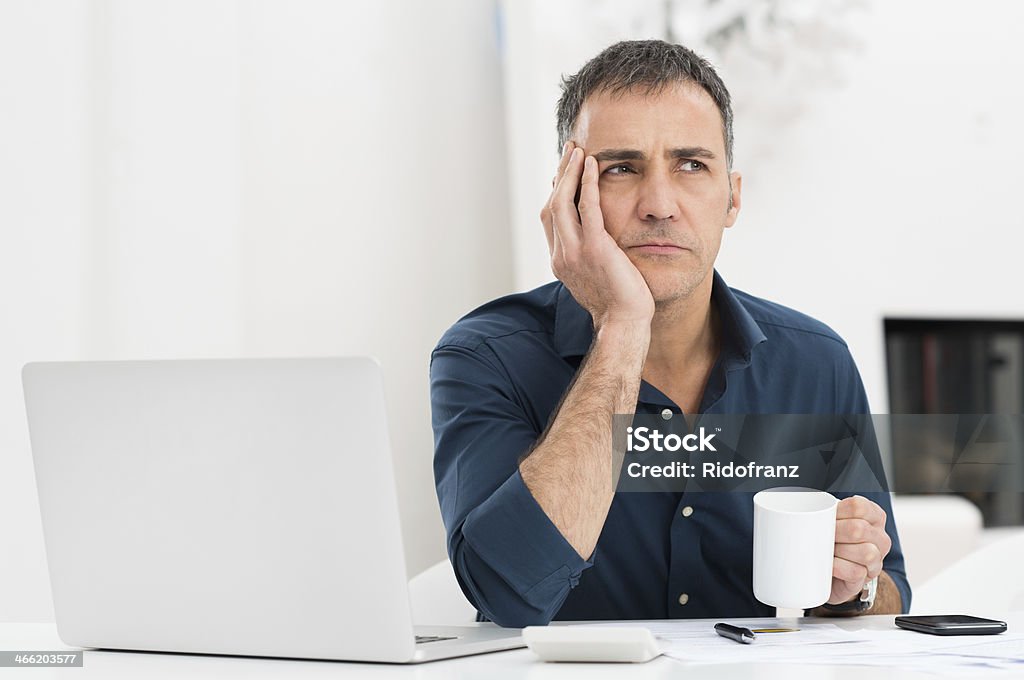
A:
44, 216
892, 195
895, 196
240, 178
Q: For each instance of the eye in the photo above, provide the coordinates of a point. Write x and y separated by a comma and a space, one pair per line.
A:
691, 165
619, 170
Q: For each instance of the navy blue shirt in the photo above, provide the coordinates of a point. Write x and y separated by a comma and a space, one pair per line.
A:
496, 378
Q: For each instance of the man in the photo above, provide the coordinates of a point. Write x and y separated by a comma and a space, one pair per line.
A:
523, 389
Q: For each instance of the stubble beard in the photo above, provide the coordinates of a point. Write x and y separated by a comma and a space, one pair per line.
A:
679, 291
673, 289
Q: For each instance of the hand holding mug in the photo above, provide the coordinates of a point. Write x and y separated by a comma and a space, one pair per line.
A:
861, 545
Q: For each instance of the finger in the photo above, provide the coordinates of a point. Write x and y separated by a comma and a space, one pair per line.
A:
848, 571
860, 531
563, 165
858, 506
855, 530
590, 199
865, 554
569, 172
554, 244
843, 591
564, 160
545, 212
875, 542
565, 218
557, 255
545, 219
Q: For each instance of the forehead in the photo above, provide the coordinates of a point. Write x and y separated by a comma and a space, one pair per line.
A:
679, 115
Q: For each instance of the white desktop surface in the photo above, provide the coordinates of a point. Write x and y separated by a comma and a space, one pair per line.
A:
520, 663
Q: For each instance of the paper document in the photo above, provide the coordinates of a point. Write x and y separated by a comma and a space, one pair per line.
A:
830, 644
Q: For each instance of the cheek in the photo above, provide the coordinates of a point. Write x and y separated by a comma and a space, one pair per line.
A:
615, 210
704, 198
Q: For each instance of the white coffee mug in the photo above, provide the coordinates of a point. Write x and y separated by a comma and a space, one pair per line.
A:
794, 543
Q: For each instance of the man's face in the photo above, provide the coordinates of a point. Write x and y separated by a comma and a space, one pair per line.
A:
664, 182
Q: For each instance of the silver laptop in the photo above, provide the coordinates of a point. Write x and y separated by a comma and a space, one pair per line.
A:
242, 506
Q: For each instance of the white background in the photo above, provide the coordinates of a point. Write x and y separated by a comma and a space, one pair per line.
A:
223, 178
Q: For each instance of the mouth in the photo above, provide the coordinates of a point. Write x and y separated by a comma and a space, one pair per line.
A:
658, 248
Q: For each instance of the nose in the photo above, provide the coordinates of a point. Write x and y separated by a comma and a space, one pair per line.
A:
657, 200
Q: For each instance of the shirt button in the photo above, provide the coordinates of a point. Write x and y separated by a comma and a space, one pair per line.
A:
666, 414
687, 511
684, 598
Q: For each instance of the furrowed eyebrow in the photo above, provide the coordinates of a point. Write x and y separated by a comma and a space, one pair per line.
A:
635, 155
620, 155
691, 152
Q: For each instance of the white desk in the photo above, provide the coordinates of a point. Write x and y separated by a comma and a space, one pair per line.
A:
498, 666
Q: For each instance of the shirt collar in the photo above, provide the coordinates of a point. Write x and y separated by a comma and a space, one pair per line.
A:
574, 328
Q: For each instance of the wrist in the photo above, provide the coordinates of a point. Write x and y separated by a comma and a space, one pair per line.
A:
623, 316
626, 342
621, 330
860, 603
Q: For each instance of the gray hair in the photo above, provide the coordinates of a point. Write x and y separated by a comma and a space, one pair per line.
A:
647, 65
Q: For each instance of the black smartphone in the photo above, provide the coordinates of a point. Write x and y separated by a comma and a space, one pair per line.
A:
952, 624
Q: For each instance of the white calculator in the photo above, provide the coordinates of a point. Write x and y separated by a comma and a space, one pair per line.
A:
626, 644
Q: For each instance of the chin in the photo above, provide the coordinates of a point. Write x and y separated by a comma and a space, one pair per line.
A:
667, 287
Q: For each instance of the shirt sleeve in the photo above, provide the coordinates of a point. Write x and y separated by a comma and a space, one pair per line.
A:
853, 399
511, 561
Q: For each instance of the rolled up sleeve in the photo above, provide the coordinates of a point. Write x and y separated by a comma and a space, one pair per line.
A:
511, 561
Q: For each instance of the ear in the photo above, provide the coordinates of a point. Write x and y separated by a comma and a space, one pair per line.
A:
735, 198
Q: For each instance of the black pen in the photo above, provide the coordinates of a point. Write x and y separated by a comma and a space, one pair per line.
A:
744, 635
